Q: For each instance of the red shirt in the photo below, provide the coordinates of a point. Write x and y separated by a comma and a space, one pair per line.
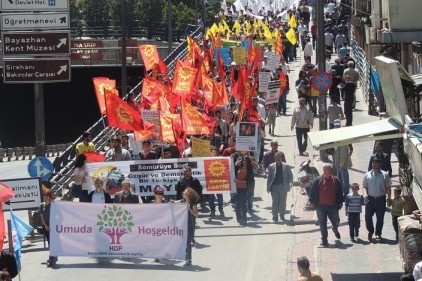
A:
328, 191
228, 151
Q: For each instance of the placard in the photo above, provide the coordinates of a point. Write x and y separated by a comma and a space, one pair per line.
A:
239, 55
200, 147
264, 80
246, 136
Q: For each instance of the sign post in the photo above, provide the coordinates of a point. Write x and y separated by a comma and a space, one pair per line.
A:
54, 47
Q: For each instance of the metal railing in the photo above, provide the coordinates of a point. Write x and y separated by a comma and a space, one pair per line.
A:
364, 69
63, 165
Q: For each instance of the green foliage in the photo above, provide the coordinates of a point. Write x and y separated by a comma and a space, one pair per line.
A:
114, 216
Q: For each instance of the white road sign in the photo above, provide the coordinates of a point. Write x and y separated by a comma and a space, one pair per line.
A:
34, 5
27, 194
25, 21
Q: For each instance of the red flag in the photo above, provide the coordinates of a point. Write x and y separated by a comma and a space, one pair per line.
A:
6, 193
149, 56
150, 83
220, 67
279, 44
166, 126
184, 78
251, 52
121, 115
101, 83
193, 122
94, 157
162, 67
179, 135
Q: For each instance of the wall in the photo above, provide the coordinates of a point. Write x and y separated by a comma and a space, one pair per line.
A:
70, 108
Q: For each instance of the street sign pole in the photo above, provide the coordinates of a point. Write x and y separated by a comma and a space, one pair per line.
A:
39, 120
320, 57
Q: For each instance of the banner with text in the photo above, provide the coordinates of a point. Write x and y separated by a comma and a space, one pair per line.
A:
273, 93
118, 230
247, 136
215, 174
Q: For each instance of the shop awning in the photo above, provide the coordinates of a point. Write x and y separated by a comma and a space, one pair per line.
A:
377, 130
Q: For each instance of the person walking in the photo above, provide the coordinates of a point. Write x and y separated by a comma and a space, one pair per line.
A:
376, 186
327, 198
349, 88
303, 121
279, 182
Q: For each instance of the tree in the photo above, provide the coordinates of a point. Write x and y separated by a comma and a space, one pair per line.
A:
115, 222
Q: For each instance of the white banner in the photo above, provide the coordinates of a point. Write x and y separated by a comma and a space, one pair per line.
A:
264, 79
216, 174
118, 230
246, 136
273, 93
273, 61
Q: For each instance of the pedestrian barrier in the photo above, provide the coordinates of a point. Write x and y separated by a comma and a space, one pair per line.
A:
2, 154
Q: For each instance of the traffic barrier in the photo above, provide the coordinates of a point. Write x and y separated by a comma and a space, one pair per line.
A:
24, 152
31, 152
2, 154
9, 154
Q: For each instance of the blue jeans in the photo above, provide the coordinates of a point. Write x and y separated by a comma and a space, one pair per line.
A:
249, 195
354, 223
375, 206
282, 102
324, 211
241, 196
314, 103
343, 176
212, 203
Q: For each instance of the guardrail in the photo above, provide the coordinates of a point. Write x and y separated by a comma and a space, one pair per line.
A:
364, 69
24, 152
63, 165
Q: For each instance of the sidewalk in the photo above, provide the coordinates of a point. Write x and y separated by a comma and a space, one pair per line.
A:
343, 260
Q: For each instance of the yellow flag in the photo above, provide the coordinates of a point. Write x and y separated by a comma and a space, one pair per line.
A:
248, 26
293, 21
236, 27
220, 28
291, 36
226, 27
214, 29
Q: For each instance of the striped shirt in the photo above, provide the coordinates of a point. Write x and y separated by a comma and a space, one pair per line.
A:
354, 203
376, 183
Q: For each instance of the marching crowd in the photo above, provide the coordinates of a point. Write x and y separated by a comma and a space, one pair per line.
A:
328, 192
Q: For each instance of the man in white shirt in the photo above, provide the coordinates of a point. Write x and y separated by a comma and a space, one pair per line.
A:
329, 40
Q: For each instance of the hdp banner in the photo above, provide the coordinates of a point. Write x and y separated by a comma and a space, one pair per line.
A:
118, 230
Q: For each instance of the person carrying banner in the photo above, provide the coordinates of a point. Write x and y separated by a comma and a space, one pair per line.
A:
45, 219
190, 198
99, 195
125, 196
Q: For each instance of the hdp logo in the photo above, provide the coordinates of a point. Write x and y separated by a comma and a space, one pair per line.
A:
115, 222
51, 2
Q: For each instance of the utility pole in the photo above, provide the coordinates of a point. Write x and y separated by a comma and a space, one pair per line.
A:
169, 27
320, 59
124, 66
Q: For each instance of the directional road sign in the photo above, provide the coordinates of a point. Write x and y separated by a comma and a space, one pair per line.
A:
40, 167
28, 194
36, 43
25, 21
34, 5
322, 81
36, 70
